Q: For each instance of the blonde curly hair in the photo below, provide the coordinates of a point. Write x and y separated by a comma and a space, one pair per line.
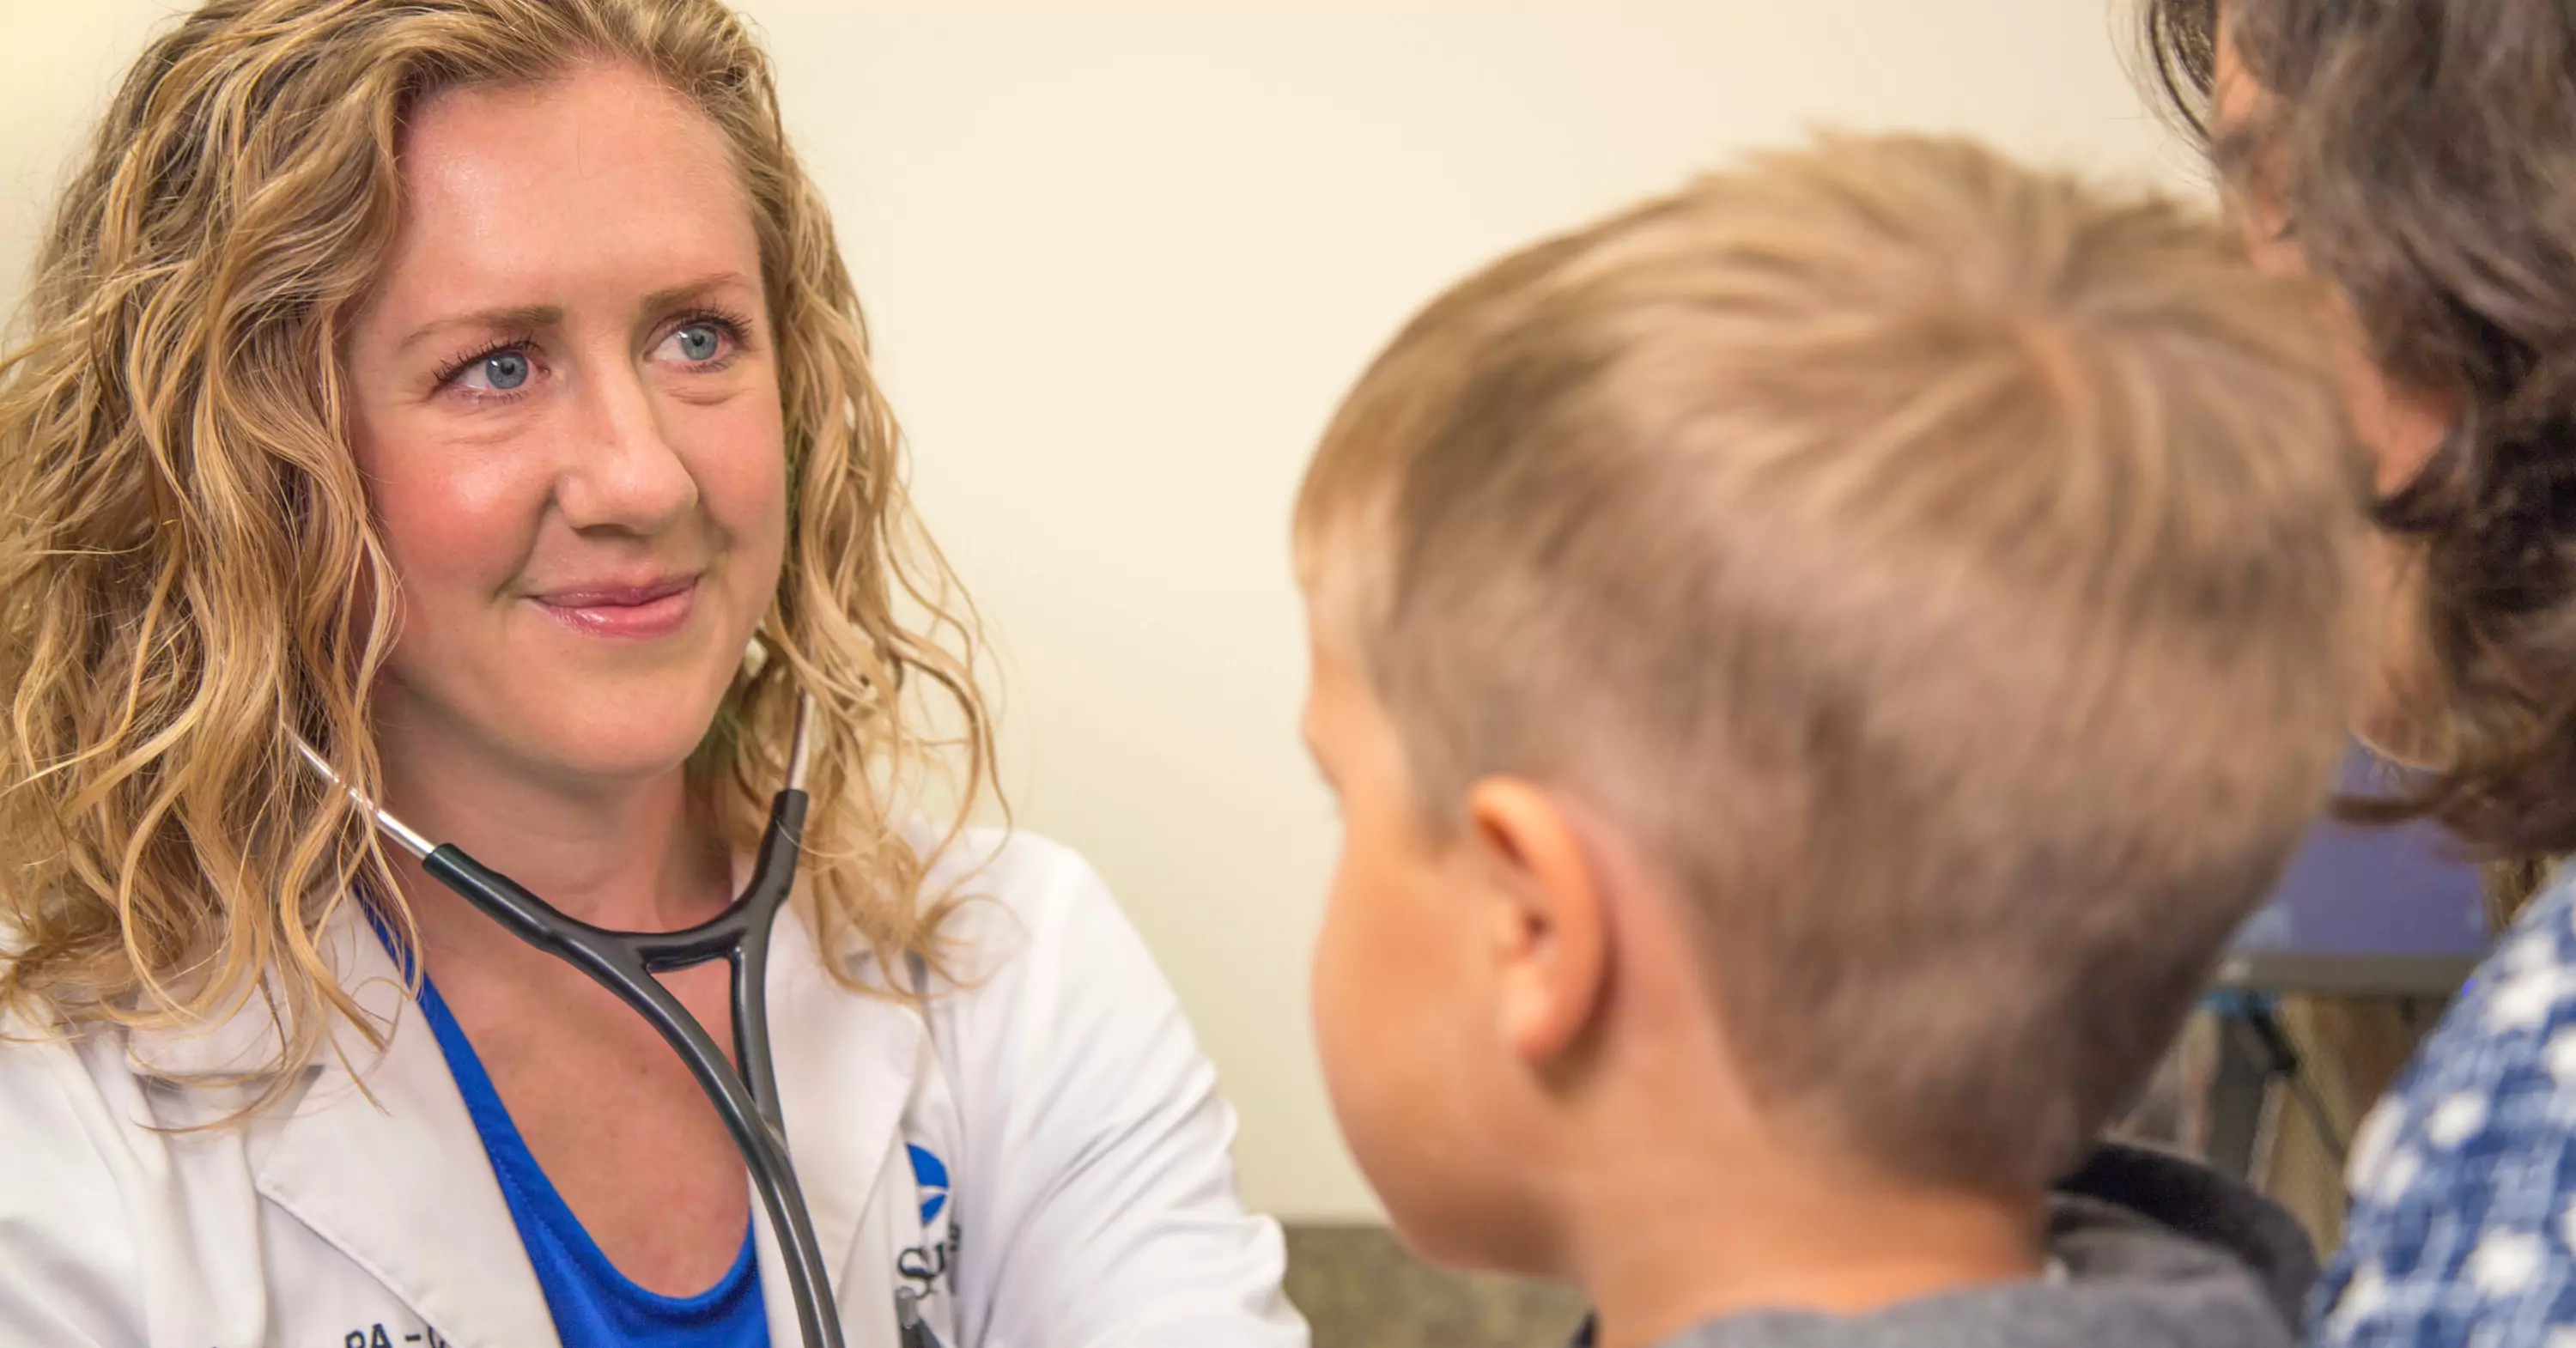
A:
188, 541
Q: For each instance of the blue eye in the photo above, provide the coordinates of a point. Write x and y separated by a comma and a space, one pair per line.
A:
699, 341
501, 372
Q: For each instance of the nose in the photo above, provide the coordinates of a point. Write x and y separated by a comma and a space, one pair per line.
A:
621, 470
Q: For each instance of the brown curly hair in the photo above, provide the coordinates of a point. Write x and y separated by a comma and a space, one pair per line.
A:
2423, 153
188, 540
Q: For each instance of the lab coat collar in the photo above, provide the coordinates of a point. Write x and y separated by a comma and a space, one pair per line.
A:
243, 1044
392, 1172
377, 1155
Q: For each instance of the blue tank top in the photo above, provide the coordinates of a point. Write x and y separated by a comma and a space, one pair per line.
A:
594, 1305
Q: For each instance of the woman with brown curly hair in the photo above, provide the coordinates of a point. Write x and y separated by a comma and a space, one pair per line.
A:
2420, 157
473, 390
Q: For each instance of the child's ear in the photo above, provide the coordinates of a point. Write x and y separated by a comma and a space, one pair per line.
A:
1550, 937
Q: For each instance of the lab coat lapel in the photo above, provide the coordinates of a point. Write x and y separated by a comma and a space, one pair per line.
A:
380, 1159
846, 1064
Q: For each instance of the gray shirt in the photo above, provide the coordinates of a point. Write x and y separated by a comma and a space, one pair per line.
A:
2148, 1251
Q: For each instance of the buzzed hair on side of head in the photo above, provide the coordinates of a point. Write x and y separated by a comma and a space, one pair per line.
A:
1946, 574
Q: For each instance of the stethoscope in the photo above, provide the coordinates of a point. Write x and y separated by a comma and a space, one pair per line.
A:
624, 962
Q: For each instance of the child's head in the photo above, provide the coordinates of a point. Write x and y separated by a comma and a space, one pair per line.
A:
1922, 582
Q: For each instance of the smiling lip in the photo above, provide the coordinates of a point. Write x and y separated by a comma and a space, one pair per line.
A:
632, 611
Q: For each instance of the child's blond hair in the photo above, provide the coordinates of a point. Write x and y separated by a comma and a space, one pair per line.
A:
1944, 571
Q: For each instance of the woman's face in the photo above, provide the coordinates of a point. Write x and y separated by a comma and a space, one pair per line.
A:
2401, 712
566, 408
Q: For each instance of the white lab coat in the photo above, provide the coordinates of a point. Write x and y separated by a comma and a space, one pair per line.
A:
1091, 1197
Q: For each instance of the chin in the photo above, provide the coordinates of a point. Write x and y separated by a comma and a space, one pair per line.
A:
615, 756
1450, 1200
635, 737
1463, 1226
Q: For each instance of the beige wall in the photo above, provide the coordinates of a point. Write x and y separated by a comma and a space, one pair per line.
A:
1122, 259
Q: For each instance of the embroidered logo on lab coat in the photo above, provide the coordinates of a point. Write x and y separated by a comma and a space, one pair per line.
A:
930, 1264
931, 1174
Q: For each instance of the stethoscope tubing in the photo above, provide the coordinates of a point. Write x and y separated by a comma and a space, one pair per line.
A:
625, 963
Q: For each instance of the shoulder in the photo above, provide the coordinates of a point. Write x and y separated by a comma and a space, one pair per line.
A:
1092, 1175
1019, 898
80, 1157
2464, 1179
58, 1080
74, 1097
1016, 866
1045, 977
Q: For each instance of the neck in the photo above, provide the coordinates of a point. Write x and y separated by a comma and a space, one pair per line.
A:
637, 854
1680, 1237
1686, 1199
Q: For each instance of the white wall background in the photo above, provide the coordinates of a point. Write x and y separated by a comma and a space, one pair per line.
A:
1122, 259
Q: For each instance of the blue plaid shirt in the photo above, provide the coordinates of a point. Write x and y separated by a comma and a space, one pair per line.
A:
2463, 1226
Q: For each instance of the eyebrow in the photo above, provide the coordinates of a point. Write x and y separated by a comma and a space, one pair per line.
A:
689, 290
524, 316
513, 317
